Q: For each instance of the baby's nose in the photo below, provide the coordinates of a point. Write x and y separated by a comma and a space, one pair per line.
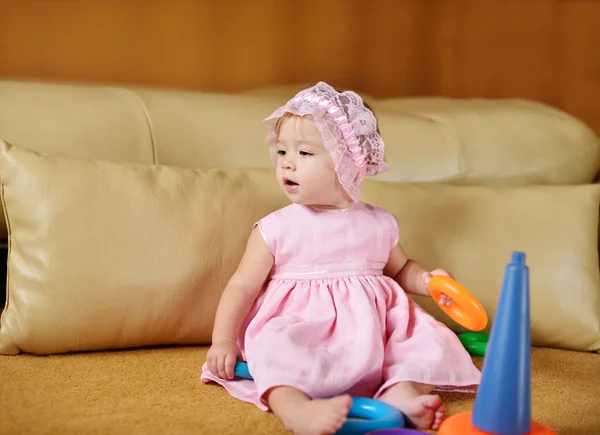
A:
288, 164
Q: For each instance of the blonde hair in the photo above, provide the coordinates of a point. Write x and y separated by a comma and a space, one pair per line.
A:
281, 121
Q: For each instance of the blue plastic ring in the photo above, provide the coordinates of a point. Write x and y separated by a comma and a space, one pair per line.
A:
241, 370
375, 414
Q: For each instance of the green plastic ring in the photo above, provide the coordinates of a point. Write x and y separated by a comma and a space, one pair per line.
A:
474, 342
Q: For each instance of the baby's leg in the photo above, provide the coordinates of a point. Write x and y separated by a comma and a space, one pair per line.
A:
424, 410
305, 416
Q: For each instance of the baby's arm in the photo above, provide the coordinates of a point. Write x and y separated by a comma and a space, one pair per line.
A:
235, 304
411, 276
406, 272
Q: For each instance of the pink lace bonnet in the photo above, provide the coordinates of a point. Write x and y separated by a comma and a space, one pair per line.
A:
348, 130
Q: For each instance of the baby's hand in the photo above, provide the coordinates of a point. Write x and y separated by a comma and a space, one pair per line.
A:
445, 300
222, 356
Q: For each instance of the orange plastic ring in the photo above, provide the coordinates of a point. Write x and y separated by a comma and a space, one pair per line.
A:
466, 310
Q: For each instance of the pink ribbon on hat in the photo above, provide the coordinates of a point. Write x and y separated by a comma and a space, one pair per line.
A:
356, 151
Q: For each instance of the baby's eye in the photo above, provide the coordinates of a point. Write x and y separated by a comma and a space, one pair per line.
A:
304, 153
281, 152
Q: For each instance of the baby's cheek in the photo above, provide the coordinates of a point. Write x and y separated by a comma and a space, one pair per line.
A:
332, 178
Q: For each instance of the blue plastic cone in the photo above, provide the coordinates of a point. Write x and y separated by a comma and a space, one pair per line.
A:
503, 401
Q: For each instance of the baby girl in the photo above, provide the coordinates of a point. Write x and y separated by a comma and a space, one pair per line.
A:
318, 305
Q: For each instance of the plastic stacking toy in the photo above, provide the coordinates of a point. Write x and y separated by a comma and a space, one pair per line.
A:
503, 401
396, 432
373, 415
474, 342
466, 310
240, 370
365, 415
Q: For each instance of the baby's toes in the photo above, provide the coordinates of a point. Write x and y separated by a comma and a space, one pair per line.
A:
438, 417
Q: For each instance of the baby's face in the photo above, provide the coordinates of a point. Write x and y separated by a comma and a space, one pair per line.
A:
305, 169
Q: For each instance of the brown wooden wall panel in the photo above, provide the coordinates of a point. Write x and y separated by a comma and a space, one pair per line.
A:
546, 50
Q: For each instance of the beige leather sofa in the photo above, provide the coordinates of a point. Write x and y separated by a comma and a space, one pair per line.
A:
127, 209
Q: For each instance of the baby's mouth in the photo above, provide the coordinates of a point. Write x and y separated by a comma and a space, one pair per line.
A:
290, 186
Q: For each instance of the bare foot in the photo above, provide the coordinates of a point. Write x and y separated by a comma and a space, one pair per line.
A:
318, 417
424, 412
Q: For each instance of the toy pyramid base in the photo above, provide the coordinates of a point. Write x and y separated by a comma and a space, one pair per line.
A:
460, 424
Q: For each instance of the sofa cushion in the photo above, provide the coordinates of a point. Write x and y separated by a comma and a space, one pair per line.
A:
471, 231
105, 122
111, 255
491, 142
106, 255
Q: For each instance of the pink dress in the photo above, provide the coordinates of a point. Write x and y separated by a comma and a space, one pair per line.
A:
329, 322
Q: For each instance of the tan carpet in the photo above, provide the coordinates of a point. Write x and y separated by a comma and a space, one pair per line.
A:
157, 391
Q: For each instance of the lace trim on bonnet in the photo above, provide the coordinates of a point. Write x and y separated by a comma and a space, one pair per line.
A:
348, 130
